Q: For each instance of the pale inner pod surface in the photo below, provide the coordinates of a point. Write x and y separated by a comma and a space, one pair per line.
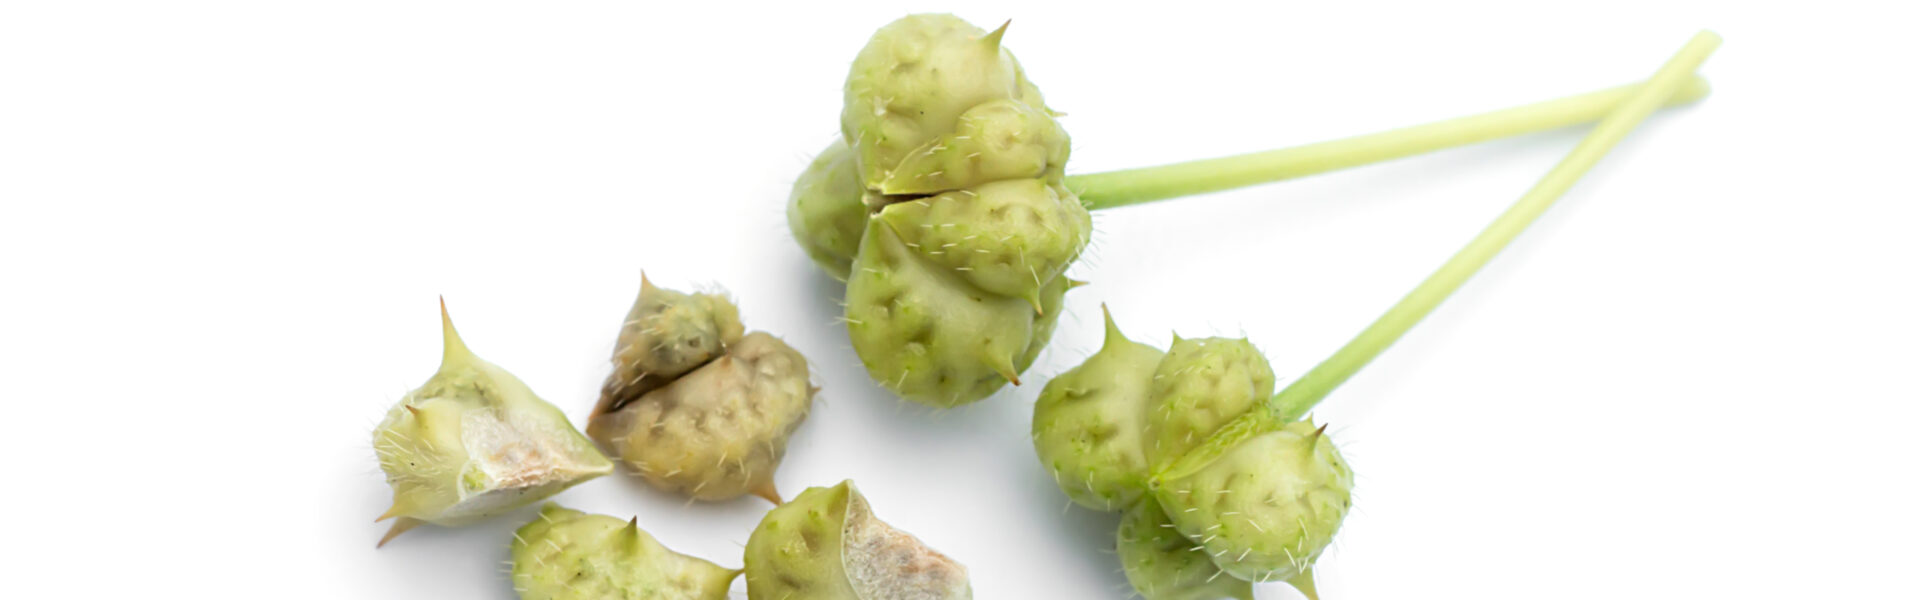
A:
473, 442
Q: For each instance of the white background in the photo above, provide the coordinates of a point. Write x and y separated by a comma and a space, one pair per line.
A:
223, 227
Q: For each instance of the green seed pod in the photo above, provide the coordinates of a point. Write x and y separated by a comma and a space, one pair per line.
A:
1088, 424
955, 288
1268, 505
932, 337
827, 545
1164, 565
914, 79
1008, 237
474, 442
1202, 384
825, 210
994, 141
1218, 490
570, 555
717, 409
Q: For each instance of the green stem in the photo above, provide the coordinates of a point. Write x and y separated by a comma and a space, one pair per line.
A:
1136, 186
1308, 390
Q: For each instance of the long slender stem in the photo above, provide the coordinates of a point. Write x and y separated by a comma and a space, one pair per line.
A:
1135, 186
1306, 391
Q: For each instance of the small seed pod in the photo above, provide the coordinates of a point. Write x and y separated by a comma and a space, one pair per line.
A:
825, 210
902, 316
1219, 491
667, 334
954, 258
1268, 505
912, 82
1088, 423
474, 442
1202, 384
695, 407
827, 545
1164, 565
570, 555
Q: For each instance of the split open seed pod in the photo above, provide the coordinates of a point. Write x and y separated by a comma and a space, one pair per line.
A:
473, 442
828, 545
696, 406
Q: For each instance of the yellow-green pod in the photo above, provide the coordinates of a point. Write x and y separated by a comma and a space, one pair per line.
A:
926, 333
570, 555
1087, 424
825, 210
827, 545
1164, 565
956, 153
1265, 507
912, 82
473, 442
1203, 384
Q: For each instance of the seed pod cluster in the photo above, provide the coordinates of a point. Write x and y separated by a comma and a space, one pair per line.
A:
944, 208
570, 555
695, 405
1186, 442
827, 545
473, 442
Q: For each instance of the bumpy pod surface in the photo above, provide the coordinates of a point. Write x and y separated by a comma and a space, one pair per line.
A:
825, 211
1268, 506
570, 555
950, 169
666, 334
1186, 442
474, 442
827, 545
1089, 423
1164, 565
1200, 386
694, 406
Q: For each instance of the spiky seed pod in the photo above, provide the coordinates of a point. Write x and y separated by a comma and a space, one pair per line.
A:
692, 405
666, 334
474, 442
1202, 384
914, 79
1088, 423
1164, 565
904, 317
719, 431
952, 290
1008, 238
825, 210
570, 555
1268, 505
827, 545
1187, 444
